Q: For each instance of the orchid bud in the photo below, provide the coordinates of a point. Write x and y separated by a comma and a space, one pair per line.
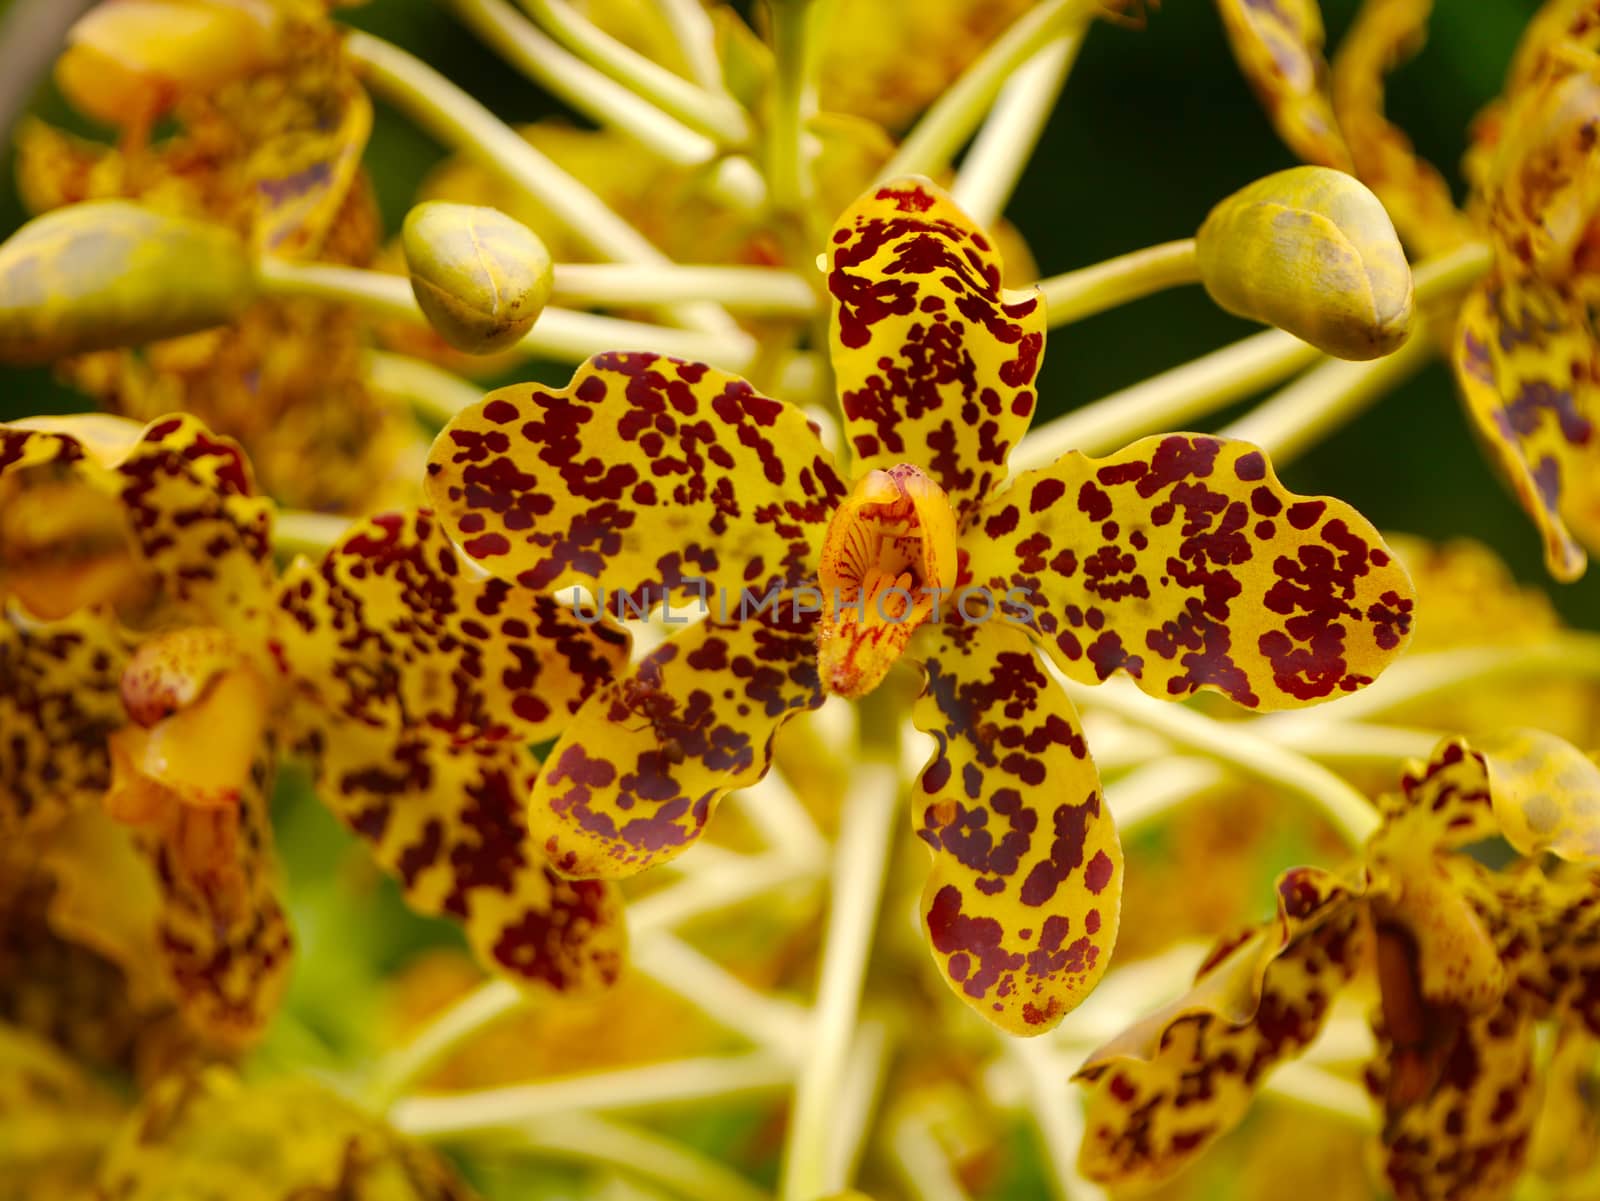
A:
129, 61
1312, 251
110, 273
481, 278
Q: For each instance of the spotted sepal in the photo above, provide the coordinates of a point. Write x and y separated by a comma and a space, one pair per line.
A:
935, 361
1167, 1086
1182, 561
645, 475
635, 777
394, 629
1023, 898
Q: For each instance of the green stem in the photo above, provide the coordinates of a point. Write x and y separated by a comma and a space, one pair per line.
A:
720, 888
998, 155
1327, 397
1058, 1114
767, 291
560, 335
922, 1161
715, 115
1200, 387
567, 77
668, 1083
463, 1021
858, 1098
458, 120
1079, 294
777, 1025
434, 394
794, 102
1296, 418
860, 864
697, 38
949, 122
1233, 745
642, 1153
297, 532
1168, 401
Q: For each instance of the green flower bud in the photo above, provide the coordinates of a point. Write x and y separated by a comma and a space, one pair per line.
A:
1312, 251
109, 273
481, 278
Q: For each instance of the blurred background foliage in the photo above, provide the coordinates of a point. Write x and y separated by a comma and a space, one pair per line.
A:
1155, 126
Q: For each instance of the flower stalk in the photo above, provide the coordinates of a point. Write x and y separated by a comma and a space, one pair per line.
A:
714, 115
994, 163
1346, 809
860, 864
950, 121
1128, 277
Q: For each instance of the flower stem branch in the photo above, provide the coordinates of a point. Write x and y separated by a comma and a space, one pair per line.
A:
560, 335
765, 290
922, 1162
1169, 400
714, 115
574, 82
860, 864
434, 394
1058, 1114
794, 103
1234, 745
589, 1139
697, 38
858, 1099
949, 122
297, 532
669, 1083
777, 1025
999, 154
719, 888
1079, 294
459, 121
439, 1039
1299, 416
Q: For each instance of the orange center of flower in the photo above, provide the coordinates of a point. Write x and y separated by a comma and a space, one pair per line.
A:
888, 562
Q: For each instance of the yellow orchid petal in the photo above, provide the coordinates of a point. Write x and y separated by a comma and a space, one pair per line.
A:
888, 558
60, 701
1161, 1091
306, 155
1386, 33
1443, 804
1184, 562
394, 628
1279, 48
446, 820
195, 526
1526, 364
637, 774
205, 1133
935, 362
1022, 903
1466, 1141
643, 475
